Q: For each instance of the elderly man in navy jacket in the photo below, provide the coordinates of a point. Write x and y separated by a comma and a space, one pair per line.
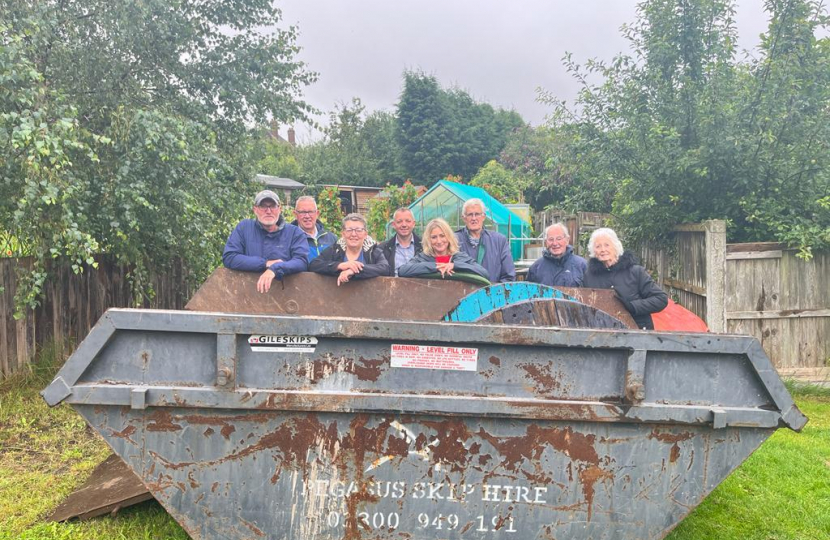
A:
266, 244
490, 249
558, 266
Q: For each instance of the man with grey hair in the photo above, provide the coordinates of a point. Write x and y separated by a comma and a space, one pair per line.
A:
307, 219
490, 249
558, 266
266, 244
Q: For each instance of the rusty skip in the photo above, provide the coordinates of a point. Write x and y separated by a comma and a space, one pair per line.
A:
600, 434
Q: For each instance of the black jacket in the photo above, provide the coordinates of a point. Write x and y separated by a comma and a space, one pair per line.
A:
374, 263
422, 264
633, 285
388, 249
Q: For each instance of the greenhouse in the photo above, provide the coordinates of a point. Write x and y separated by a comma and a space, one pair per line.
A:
445, 200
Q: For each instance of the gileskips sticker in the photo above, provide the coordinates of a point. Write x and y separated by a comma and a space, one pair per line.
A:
289, 344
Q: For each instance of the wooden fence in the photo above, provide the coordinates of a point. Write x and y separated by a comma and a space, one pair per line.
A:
693, 269
763, 290
784, 301
71, 306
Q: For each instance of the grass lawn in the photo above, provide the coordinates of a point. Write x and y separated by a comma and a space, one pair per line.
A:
782, 492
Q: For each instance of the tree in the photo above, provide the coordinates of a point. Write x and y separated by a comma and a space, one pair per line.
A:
124, 127
499, 182
346, 155
275, 157
683, 132
424, 131
443, 132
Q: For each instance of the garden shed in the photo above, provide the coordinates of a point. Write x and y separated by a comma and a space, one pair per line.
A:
446, 199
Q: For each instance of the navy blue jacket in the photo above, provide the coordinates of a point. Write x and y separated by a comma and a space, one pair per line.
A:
497, 258
320, 241
250, 246
566, 271
633, 285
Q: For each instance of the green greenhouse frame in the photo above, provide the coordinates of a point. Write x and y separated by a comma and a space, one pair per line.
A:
446, 199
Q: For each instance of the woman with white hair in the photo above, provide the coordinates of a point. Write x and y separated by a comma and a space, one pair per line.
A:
611, 267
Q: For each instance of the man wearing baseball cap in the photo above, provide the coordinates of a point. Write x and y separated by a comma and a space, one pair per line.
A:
266, 244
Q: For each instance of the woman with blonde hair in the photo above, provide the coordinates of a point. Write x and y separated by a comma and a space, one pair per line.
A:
441, 257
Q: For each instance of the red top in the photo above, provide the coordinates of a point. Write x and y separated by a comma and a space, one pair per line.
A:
443, 258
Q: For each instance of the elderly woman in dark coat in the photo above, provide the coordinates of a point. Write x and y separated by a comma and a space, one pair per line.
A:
441, 255
610, 267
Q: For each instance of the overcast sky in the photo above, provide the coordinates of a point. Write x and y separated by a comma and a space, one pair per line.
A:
499, 52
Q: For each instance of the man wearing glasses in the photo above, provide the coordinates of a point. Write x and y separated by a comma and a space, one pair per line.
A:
306, 213
558, 266
490, 249
354, 256
266, 244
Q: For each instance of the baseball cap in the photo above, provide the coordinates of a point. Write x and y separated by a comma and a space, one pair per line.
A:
266, 194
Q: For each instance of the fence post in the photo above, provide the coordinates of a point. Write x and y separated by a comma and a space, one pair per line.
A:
716, 275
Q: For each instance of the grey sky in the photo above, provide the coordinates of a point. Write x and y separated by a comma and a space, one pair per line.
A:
500, 52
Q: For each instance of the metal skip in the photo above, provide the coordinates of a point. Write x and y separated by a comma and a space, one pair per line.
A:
278, 427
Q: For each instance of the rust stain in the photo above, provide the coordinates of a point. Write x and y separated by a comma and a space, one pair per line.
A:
193, 482
253, 528
588, 477
543, 377
573, 444
226, 431
515, 451
396, 446
125, 433
352, 531
450, 449
161, 420
495, 360
670, 437
209, 432
363, 368
674, 454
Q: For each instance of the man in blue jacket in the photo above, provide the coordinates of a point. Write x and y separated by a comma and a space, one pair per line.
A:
558, 266
266, 244
306, 212
490, 249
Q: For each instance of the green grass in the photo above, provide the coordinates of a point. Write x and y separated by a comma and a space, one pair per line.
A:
782, 492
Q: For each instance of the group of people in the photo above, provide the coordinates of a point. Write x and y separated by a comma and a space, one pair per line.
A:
269, 245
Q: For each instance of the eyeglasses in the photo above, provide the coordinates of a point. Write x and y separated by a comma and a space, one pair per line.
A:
304, 212
474, 215
556, 238
356, 230
266, 208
